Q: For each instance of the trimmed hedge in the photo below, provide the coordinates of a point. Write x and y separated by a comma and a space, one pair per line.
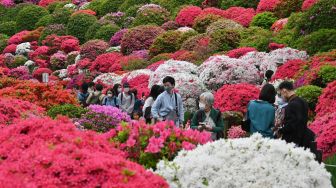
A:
3, 42
68, 110
239, 3
327, 74
264, 20
151, 16
29, 16
256, 37
202, 22
310, 93
8, 28
322, 40
79, 24
105, 32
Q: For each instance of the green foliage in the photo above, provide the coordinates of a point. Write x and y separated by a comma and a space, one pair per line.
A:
264, 20
327, 74
322, 40
321, 16
225, 39
223, 24
286, 7
11, 13
57, 29
331, 161
79, 24
8, 28
128, 4
68, 110
310, 93
151, 17
91, 32
135, 64
105, 32
61, 16
3, 42
239, 3
164, 56
202, 22
3, 11
109, 6
256, 37
44, 21
169, 41
95, 5
18, 61
171, 4
29, 16
132, 11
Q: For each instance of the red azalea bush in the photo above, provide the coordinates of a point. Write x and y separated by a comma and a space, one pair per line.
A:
289, 69
267, 5
139, 38
53, 153
10, 49
14, 109
214, 11
84, 64
274, 46
147, 144
236, 53
37, 74
93, 48
109, 62
325, 129
279, 25
41, 94
327, 101
140, 83
308, 3
70, 45
4, 71
187, 15
17, 38
235, 97
240, 15
54, 42
45, 3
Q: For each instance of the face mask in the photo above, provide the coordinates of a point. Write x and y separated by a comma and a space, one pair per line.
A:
90, 90
168, 89
126, 90
109, 95
201, 106
119, 90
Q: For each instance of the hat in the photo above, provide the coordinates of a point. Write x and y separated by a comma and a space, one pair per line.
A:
126, 85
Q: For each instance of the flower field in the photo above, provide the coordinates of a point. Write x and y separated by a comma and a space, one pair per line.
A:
223, 46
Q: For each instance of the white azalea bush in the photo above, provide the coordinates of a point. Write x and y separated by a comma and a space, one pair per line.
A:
252, 162
219, 70
270, 61
135, 73
109, 78
23, 49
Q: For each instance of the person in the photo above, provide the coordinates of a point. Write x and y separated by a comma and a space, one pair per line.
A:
91, 87
155, 91
168, 105
110, 99
261, 113
280, 105
296, 117
138, 102
127, 99
268, 77
97, 96
207, 118
137, 115
83, 94
116, 89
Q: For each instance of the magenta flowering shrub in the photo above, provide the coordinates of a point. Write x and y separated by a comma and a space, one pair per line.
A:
147, 144
18, 37
240, 15
307, 4
236, 53
236, 132
139, 38
143, 54
93, 48
102, 118
58, 61
70, 45
53, 153
116, 38
109, 62
325, 129
327, 101
7, 3
187, 15
21, 72
267, 5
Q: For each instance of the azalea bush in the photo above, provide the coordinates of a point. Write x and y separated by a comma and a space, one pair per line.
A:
93, 48
289, 69
102, 118
12, 110
28, 16
187, 15
310, 93
322, 40
220, 70
256, 37
239, 3
264, 20
68, 110
59, 152
240, 15
139, 38
236, 53
116, 38
151, 14
326, 102
147, 144
235, 97
223, 24
272, 159
327, 74
202, 21
78, 25
108, 62
236, 132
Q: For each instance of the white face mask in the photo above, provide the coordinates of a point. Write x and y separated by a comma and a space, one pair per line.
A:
119, 90
90, 90
126, 90
201, 106
109, 95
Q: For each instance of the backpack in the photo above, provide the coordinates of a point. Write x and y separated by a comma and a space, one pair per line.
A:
82, 100
95, 99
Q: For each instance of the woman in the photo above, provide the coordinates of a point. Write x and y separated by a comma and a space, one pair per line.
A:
97, 96
110, 99
207, 118
261, 113
83, 94
156, 90
116, 89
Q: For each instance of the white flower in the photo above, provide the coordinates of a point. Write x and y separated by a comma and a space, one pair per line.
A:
133, 74
71, 6
78, 57
23, 48
148, 6
29, 63
252, 162
185, 29
114, 49
109, 78
84, 6
63, 73
219, 70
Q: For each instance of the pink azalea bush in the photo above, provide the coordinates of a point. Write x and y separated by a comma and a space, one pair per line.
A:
109, 62
240, 15
267, 5
327, 101
289, 69
37, 74
93, 48
70, 45
53, 153
236, 132
274, 46
147, 144
279, 25
21, 72
307, 4
236, 53
102, 118
235, 97
17, 38
325, 129
187, 15
12, 110
116, 38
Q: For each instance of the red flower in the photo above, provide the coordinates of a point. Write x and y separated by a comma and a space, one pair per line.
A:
187, 15
10, 49
307, 4
70, 45
267, 5
273, 46
327, 101
241, 15
109, 62
289, 69
236, 53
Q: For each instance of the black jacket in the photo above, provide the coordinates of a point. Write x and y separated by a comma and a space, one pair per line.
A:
295, 123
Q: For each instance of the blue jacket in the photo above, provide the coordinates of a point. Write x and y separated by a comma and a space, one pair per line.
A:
262, 115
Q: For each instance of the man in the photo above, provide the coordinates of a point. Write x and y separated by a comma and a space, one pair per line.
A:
168, 105
126, 99
296, 116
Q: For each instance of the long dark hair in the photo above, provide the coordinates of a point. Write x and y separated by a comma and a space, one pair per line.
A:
156, 90
268, 93
115, 89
